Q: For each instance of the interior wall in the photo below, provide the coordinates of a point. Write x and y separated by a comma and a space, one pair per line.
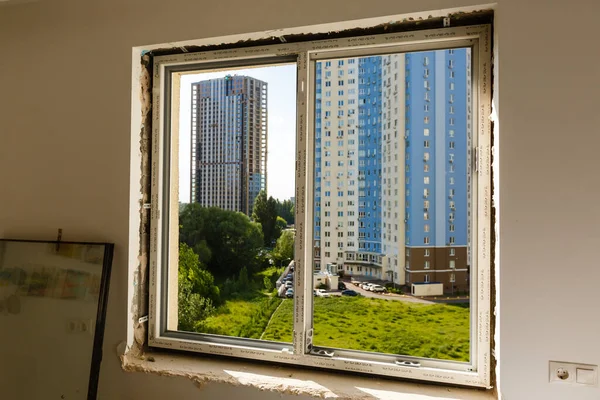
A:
65, 73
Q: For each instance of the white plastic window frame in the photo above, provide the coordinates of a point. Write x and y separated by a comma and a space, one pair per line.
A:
164, 212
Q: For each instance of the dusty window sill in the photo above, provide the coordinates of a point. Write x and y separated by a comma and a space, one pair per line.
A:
283, 379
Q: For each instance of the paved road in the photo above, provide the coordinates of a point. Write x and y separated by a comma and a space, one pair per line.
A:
388, 296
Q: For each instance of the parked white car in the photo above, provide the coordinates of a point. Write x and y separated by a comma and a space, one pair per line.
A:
366, 286
321, 293
378, 289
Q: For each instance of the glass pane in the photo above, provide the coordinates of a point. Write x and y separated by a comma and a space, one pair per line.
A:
392, 204
236, 211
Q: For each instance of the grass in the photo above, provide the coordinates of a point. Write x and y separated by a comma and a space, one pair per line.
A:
241, 318
387, 326
246, 312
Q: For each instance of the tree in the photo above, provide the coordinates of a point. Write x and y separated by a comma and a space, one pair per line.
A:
192, 308
284, 249
225, 241
202, 281
265, 213
280, 225
286, 211
197, 293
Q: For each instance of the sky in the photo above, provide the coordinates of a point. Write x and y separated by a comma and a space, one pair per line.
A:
281, 143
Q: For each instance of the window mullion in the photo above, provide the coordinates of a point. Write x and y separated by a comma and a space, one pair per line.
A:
303, 251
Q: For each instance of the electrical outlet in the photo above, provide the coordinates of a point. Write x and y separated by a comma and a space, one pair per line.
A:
86, 326
77, 325
72, 326
571, 373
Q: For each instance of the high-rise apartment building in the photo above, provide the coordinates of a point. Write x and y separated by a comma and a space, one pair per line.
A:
228, 142
392, 173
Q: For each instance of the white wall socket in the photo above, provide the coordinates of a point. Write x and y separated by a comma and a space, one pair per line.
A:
572, 373
78, 325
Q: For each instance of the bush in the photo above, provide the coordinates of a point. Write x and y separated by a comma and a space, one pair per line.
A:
193, 308
268, 284
391, 287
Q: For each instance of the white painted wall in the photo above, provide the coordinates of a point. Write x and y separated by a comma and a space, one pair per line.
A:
65, 71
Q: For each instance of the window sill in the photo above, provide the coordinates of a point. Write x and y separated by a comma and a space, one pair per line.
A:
286, 380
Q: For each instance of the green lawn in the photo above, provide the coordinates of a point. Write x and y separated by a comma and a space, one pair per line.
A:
242, 318
387, 326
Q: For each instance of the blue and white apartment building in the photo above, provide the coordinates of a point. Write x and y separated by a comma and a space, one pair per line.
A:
393, 169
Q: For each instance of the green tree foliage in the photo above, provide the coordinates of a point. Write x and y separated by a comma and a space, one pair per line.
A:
286, 211
202, 281
243, 280
265, 213
224, 240
192, 308
280, 225
284, 249
197, 293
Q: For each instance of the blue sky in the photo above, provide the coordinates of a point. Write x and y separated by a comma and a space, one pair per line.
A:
281, 143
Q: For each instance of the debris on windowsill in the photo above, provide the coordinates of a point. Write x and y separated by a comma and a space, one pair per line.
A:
318, 384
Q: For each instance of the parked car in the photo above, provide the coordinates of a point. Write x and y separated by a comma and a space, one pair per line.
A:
322, 293
355, 282
349, 292
341, 286
366, 286
289, 284
289, 293
378, 289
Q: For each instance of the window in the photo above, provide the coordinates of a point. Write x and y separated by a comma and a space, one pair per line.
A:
183, 317
426, 265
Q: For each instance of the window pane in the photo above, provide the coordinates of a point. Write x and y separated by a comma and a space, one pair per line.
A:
236, 188
401, 157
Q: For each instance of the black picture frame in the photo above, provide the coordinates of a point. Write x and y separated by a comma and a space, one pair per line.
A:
27, 284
